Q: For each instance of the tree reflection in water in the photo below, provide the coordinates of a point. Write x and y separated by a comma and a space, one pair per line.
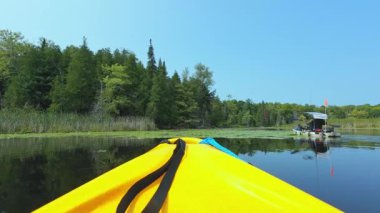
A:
33, 173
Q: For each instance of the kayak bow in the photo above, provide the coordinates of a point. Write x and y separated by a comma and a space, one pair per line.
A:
187, 175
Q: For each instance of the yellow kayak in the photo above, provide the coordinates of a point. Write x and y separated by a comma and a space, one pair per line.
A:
187, 175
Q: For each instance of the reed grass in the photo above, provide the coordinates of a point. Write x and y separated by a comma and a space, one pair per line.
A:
199, 133
27, 121
357, 123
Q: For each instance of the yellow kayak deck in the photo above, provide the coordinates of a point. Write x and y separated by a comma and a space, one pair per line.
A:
207, 180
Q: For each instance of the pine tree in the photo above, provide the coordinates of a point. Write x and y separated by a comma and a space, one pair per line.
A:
32, 84
119, 57
151, 66
216, 114
165, 100
246, 114
142, 93
133, 91
116, 85
81, 82
201, 83
173, 110
145, 90
151, 70
262, 114
48, 70
58, 91
12, 49
158, 102
103, 58
186, 102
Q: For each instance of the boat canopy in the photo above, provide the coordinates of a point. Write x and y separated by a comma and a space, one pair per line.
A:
318, 115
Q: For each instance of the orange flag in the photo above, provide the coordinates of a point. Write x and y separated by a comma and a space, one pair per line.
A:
326, 102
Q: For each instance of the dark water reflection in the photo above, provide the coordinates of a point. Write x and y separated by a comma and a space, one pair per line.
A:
36, 171
343, 172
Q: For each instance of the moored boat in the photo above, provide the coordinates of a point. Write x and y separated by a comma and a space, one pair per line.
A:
316, 127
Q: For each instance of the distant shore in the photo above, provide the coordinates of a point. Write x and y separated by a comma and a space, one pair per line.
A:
201, 133
25, 124
357, 123
270, 133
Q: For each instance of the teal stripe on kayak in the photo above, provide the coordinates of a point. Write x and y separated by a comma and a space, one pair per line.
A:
214, 143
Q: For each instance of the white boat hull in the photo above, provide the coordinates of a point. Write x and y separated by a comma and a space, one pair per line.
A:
317, 134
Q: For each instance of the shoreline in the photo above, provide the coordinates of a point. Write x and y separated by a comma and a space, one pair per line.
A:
270, 133
202, 133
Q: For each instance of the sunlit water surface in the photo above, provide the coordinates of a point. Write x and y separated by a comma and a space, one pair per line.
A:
343, 172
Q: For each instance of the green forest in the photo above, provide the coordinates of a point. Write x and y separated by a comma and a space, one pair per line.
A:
47, 81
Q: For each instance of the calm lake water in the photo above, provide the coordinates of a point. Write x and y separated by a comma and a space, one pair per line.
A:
343, 172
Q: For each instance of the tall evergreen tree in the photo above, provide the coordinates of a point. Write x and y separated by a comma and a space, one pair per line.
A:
142, 93
173, 99
103, 58
17, 93
81, 82
58, 91
246, 115
119, 57
187, 103
147, 82
262, 114
151, 66
141, 79
201, 83
135, 72
12, 48
158, 103
116, 85
50, 68
217, 115
32, 85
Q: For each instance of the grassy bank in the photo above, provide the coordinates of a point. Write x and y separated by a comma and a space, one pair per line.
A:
22, 121
357, 123
202, 133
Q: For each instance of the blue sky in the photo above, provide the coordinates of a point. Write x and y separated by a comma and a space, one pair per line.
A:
278, 51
